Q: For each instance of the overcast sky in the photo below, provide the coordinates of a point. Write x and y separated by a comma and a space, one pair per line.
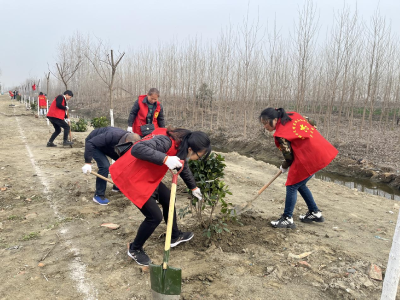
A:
30, 30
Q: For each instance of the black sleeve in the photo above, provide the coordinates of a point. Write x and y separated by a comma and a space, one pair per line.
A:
59, 101
133, 113
152, 150
160, 118
95, 142
188, 177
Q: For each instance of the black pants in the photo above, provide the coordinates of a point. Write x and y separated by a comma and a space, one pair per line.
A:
58, 124
154, 217
103, 164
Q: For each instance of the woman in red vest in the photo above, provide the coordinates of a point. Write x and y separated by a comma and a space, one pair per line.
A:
42, 104
57, 115
305, 151
146, 114
138, 175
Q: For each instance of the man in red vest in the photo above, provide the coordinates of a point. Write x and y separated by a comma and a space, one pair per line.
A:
58, 117
147, 114
42, 104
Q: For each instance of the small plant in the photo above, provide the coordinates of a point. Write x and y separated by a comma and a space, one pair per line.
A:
100, 122
30, 236
208, 175
13, 218
80, 126
33, 106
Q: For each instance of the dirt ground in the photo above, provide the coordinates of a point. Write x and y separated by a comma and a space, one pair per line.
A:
53, 247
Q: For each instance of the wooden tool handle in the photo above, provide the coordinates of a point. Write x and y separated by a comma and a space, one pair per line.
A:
102, 177
269, 183
69, 124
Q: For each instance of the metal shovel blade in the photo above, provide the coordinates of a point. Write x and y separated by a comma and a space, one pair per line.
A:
165, 284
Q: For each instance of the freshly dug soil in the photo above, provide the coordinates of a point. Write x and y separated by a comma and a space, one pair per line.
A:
53, 247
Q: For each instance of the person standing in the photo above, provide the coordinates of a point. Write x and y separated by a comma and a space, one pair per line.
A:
100, 144
146, 114
57, 115
42, 104
305, 151
138, 175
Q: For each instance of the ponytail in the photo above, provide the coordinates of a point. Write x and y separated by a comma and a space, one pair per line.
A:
270, 113
197, 140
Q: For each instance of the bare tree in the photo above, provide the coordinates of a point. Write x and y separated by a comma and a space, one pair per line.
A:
106, 66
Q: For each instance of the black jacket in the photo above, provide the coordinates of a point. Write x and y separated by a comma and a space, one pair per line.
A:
135, 110
103, 139
154, 151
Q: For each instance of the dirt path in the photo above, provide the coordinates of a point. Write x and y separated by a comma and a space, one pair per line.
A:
47, 217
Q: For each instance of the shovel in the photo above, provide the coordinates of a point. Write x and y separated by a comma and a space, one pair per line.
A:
166, 281
70, 131
241, 209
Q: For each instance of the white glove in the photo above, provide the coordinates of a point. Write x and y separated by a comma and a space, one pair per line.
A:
283, 170
87, 168
129, 129
66, 108
173, 162
197, 193
66, 120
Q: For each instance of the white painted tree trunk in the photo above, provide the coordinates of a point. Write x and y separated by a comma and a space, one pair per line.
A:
392, 275
112, 117
47, 110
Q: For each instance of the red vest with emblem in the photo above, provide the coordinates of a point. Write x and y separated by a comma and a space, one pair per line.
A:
42, 101
137, 179
311, 151
142, 115
56, 112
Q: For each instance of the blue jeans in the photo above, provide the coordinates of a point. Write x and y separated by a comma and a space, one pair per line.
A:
103, 164
291, 197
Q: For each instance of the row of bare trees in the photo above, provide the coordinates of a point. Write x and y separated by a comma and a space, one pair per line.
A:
348, 79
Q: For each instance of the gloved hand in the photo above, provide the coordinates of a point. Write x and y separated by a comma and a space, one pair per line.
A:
129, 129
87, 168
66, 120
197, 193
66, 108
283, 170
172, 162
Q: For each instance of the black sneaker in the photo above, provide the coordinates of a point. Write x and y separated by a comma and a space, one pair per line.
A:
51, 144
115, 189
283, 222
312, 216
183, 237
140, 257
67, 143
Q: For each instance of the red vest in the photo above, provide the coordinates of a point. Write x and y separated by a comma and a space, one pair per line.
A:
137, 179
56, 112
42, 101
311, 151
142, 115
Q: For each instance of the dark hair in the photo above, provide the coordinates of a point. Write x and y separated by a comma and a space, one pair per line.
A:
69, 93
40, 93
270, 113
197, 140
153, 91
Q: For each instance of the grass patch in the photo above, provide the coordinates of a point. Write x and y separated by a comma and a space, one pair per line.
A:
14, 218
31, 236
59, 222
